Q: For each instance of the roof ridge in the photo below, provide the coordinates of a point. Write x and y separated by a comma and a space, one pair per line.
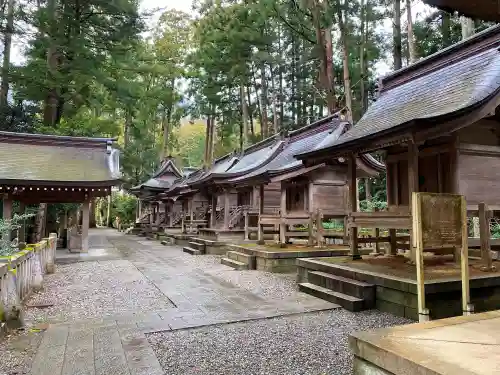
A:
314, 124
55, 139
476, 43
261, 144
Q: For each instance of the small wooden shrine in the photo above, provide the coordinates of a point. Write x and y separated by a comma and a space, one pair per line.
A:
151, 210
39, 168
438, 124
305, 196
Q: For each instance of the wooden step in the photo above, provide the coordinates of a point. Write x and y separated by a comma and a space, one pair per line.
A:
344, 285
234, 263
243, 258
197, 245
191, 251
347, 302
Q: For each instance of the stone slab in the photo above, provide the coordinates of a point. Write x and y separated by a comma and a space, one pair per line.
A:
460, 345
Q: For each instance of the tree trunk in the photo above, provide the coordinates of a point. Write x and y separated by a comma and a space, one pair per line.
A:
345, 58
52, 100
40, 222
396, 35
244, 117
211, 135
362, 57
108, 213
411, 38
445, 28
7, 43
249, 101
325, 49
467, 27
263, 104
92, 218
207, 161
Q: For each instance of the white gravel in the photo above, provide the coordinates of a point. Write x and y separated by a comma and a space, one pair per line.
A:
264, 284
308, 344
89, 290
17, 351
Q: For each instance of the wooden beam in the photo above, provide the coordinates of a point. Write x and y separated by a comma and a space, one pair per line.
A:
296, 173
351, 176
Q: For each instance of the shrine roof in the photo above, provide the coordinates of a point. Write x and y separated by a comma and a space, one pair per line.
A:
487, 10
163, 178
439, 88
37, 159
298, 141
236, 164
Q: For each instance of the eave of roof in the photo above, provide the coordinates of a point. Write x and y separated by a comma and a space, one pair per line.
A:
462, 88
487, 10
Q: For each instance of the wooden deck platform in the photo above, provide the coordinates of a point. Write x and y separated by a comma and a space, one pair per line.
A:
460, 345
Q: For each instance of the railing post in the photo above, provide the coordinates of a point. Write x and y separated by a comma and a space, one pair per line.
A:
51, 258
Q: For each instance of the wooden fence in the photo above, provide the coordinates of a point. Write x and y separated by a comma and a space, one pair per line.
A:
23, 273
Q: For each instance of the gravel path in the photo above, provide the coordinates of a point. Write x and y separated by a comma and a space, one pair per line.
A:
89, 290
308, 344
264, 284
17, 352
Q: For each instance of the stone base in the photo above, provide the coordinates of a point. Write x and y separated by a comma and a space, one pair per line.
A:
398, 296
283, 260
222, 235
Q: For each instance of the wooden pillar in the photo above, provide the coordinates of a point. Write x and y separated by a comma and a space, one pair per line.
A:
484, 236
283, 214
412, 186
85, 225
454, 175
226, 209
247, 233
213, 216
353, 204
255, 196
191, 214
7, 211
22, 228
260, 230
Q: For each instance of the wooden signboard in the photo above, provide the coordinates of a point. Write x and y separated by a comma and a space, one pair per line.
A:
440, 222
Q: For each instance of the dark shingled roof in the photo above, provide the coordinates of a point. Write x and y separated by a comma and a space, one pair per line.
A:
454, 87
236, 164
163, 178
299, 141
488, 10
36, 158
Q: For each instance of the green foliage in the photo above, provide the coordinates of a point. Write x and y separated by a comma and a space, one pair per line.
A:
8, 247
123, 206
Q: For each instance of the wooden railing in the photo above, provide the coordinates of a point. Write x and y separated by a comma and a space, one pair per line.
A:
236, 215
22, 273
177, 217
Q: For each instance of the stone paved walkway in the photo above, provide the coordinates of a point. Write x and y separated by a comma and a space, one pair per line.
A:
176, 291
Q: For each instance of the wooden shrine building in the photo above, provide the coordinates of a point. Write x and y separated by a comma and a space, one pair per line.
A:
151, 210
438, 124
487, 10
228, 203
39, 168
306, 196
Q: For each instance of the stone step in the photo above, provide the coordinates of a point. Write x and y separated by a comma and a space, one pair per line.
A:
351, 287
347, 302
243, 258
197, 245
234, 263
191, 251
